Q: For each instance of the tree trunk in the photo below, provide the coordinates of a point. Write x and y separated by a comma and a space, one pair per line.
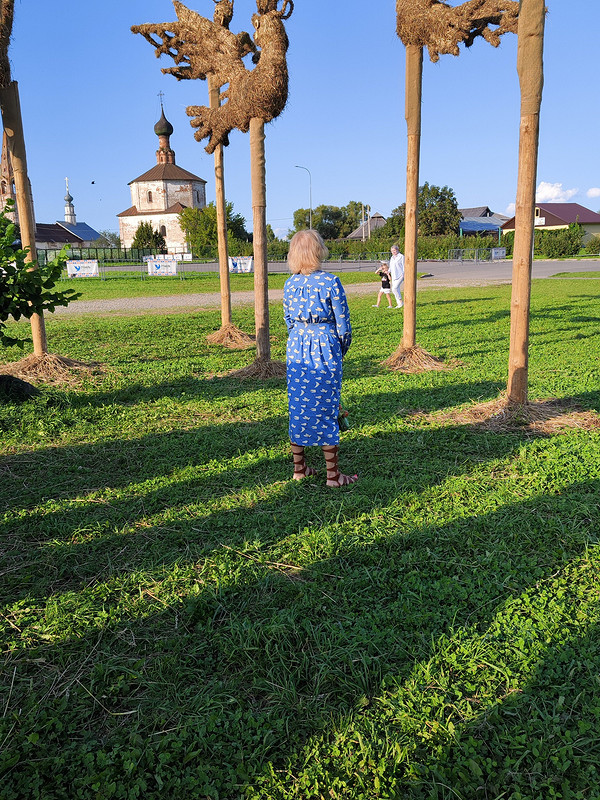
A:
220, 203
414, 76
13, 126
259, 217
531, 78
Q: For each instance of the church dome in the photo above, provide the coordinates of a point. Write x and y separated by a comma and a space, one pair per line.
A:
68, 198
163, 127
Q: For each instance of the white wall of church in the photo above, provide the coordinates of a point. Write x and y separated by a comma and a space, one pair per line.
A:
167, 224
160, 195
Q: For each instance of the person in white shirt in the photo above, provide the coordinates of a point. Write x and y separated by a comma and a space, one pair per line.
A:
397, 273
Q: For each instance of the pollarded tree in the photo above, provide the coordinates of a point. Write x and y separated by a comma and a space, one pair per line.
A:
202, 48
13, 128
441, 28
41, 364
530, 68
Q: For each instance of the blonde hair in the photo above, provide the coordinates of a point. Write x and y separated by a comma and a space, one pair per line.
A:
307, 251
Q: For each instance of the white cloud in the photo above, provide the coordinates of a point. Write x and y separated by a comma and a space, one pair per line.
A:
510, 210
553, 193
594, 192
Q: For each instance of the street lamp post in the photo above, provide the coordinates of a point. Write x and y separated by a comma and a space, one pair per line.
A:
309, 194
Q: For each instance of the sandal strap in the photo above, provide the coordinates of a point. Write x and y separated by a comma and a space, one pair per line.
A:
333, 472
299, 460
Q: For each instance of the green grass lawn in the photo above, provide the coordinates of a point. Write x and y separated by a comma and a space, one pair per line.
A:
181, 620
577, 275
129, 284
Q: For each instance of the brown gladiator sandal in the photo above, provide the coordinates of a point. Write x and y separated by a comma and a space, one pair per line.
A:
335, 478
300, 468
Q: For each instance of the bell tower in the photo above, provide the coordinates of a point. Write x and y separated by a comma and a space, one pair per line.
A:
163, 129
69, 207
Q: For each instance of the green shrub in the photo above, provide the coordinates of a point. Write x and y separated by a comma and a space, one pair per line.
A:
593, 246
25, 291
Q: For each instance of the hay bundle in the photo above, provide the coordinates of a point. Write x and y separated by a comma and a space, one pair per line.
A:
232, 337
49, 368
414, 359
542, 417
201, 47
442, 28
261, 369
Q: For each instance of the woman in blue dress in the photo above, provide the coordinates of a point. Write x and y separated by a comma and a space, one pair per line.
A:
319, 335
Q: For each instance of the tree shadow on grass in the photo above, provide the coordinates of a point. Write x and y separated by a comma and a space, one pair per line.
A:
234, 676
60, 472
169, 506
146, 504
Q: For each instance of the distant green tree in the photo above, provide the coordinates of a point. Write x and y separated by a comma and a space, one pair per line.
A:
146, 238
107, 239
353, 215
438, 214
270, 234
394, 225
437, 210
200, 227
328, 221
301, 220
332, 222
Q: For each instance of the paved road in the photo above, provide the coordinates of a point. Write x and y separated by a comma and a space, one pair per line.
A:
442, 274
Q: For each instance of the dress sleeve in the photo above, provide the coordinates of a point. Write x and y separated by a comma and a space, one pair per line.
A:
339, 305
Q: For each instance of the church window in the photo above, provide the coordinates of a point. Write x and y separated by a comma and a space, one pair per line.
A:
163, 230
149, 197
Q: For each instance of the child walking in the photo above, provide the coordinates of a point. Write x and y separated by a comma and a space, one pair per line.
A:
386, 289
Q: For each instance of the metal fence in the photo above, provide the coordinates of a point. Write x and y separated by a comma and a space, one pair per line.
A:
470, 254
109, 255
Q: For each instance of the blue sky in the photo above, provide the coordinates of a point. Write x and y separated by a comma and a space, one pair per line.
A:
89, 96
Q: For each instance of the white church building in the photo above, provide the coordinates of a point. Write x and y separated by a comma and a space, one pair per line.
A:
161, 194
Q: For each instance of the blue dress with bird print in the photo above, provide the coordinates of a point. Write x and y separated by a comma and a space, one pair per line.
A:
319, 335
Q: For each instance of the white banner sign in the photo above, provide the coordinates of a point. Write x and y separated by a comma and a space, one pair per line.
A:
498, 252
240, 264
160, 267
161, 257
83, 269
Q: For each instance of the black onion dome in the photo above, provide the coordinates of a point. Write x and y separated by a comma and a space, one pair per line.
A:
163, 127
68, 198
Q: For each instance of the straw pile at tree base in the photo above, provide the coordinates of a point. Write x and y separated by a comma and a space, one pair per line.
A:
413, 359
262, 369
542, 417
49, 368
231, 336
